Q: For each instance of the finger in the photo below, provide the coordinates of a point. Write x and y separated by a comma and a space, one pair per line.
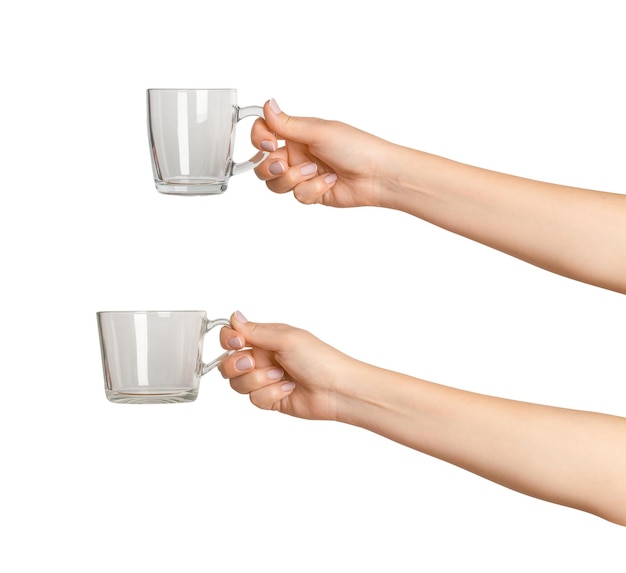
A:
306, 130
230, 339
290, 176
312, 190
268, 397
257, 379
237, 364
274, 165
263, 137
268, 336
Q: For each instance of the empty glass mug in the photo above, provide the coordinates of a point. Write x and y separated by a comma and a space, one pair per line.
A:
154, 356
192, 137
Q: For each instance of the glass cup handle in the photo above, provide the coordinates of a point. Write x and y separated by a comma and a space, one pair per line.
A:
209, 326
238, 168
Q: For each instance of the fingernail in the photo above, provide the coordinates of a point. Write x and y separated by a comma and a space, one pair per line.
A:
274, 106
308, 169
267, 145
275, 373
330, 178
244, 363
235, 342
276, 168
288, 387
240, 317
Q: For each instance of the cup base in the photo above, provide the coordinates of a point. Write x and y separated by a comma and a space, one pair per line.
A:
190, 189
151, 398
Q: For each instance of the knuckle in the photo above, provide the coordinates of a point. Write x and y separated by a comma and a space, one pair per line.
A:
308, 194
292, 337
259, 401
236, 386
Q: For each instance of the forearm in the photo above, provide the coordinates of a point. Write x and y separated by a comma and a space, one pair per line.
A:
574, 232
573, 458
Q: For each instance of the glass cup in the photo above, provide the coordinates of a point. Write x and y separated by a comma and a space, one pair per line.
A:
192, 138
154, 357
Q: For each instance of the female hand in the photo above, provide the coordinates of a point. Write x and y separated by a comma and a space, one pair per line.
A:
322, 161
571, 457
285, 368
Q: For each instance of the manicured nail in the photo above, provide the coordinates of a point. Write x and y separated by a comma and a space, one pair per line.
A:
288, 387
240, 317
244, 363
267, 145
276, 168
308, 169
275, 373
235, 342
274, 106
330, 178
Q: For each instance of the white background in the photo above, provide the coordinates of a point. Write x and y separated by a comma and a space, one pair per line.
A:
533, 88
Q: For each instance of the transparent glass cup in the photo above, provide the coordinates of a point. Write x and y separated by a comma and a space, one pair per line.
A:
154, 356
192, 137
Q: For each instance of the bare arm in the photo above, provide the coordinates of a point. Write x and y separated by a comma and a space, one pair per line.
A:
573, 458
578, 233
574, 232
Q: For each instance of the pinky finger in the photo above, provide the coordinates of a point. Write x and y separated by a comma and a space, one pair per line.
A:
268, 396
310, 191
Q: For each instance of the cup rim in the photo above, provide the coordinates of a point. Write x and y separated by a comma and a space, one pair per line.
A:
192, 89
100, 312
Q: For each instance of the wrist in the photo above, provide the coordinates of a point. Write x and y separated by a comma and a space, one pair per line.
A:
404, 180
371, 397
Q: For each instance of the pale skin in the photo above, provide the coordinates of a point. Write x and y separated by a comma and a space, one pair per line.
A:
570, 457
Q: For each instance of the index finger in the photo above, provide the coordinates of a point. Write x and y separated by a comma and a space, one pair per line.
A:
262, 136
230, 339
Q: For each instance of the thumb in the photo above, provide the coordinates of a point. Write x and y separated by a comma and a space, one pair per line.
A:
268, 336
298, 129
